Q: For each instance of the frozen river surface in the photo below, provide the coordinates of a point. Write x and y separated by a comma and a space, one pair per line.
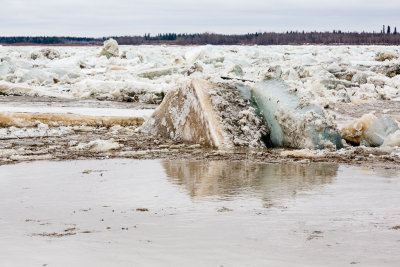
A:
180, 213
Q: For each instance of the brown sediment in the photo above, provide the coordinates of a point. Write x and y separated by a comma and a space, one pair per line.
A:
12, 89
8, 119
379, 107
54, 234
117, 68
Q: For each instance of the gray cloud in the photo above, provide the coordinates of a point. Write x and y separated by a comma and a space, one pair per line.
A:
124, 17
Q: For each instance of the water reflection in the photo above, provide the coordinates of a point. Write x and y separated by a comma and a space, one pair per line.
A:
224, 179
386, 173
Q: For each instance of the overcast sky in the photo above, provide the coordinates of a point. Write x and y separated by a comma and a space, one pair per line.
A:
130, 17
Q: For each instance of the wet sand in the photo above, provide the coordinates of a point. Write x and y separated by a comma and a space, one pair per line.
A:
125, 212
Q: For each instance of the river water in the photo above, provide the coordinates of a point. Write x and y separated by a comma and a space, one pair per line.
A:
197, 213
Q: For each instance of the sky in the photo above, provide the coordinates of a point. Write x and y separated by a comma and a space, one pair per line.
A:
98, 18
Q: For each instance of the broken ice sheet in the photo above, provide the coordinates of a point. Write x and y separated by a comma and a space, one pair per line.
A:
292, 123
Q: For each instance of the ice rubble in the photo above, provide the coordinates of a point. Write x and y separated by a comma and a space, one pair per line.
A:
41, 130
383, 56
207, 114
309, 68
98, 146
45, 53
326, 74
392, 140
8, 119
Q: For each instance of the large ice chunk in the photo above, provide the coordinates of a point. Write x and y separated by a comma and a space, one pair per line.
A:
393, 139
35, 75
207, 114
292, 123
4, 68
194, 54
379, 130
110, 49
354, 131
370, 130
186, 114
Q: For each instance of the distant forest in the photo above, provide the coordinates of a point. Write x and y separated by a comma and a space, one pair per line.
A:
385, 37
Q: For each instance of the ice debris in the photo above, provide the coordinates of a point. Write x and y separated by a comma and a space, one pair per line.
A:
379, 130
98, 146
239, 118
22, 119
354, 131
194, 54
371, 131
303, 153
42, 130
293, 123
110, 49
156, 73
392, 140
388, 55
46, 53
206, 114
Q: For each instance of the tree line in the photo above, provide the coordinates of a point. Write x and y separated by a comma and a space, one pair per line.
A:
385, 37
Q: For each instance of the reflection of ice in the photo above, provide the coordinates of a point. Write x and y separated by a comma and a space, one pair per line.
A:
226, 179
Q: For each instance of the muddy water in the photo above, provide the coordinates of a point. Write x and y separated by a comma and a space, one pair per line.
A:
203, 213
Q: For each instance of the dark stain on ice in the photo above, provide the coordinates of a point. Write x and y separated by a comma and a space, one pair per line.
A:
142, 209
90, 171
54, 234
224, 209
315, 235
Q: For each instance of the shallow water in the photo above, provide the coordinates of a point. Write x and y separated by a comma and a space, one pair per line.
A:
181, 213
